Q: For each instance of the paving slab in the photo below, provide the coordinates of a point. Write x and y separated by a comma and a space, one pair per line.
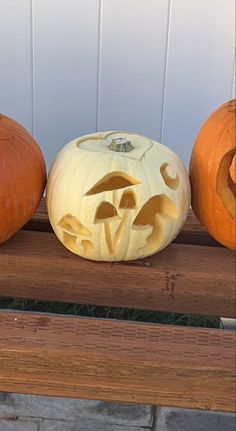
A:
229, 324
85, 425
12, 405
19, 425
170, 419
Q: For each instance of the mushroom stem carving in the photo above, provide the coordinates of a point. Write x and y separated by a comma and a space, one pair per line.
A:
127, 203
153, 213
106, 212
108, 237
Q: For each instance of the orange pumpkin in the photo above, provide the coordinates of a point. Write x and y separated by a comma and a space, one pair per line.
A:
213, 175
22, 177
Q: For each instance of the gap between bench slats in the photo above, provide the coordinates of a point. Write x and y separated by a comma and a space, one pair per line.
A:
192, 232
181, 278
117, 361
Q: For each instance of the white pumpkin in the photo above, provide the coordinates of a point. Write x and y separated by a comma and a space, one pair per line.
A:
115, 196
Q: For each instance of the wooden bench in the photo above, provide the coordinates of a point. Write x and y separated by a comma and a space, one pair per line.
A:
114, 360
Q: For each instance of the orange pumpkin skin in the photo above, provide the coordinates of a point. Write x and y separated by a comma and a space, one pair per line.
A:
213, 177
22, 177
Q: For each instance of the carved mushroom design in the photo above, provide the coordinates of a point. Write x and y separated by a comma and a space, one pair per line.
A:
119, 196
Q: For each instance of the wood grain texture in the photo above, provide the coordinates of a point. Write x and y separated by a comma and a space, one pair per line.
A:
192, 233
181, 278
117, 361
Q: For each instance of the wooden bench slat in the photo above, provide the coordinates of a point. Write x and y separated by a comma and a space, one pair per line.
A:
181, 278
117, 361
192, 233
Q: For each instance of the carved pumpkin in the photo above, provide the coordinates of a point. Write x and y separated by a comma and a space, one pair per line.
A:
213, 175
22, 177
117, 196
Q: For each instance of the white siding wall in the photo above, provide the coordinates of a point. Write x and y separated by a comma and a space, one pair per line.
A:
16, 60
158, 67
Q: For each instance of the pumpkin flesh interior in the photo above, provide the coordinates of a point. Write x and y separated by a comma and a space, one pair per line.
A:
225, 182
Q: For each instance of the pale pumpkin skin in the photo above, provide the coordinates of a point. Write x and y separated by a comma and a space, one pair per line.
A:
94, 197
22, 177
212, 169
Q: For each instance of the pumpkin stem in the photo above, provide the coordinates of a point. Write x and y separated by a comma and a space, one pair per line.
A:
121, 145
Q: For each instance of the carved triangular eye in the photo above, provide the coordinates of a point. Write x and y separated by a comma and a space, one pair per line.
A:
226, 182
128, 200
71, 224
232, 171
105, 212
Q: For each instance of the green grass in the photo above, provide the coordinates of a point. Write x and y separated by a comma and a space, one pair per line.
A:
111, 313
